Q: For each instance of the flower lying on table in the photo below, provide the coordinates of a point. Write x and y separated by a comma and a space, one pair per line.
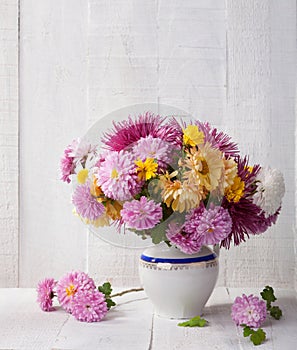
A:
184, 184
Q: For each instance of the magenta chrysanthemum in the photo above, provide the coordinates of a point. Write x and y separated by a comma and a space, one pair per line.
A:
249, 310
127, 132
150, 147
45, 293
85, 204
117, 176
141, 214
67, 165
70, 284
212, 225
186, 242
89, 306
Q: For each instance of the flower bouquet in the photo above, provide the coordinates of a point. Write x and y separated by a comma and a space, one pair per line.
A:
182, 183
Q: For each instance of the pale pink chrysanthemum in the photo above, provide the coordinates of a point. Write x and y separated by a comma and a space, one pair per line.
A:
141, 214
70, 284
117, 176
212, 224
85, 204
89, 306
186, 242
150, 147
249, 310
81, 148
45, 293
127, 132
67, 165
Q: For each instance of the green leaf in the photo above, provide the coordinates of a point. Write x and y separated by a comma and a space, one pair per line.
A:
247, 331
110, 303
258, 336
196, 321
268, 295
105, 289
276, 312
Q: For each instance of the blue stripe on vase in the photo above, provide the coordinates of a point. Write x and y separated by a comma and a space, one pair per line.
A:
178, 261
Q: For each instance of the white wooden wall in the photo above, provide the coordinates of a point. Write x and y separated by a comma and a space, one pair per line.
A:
232, 63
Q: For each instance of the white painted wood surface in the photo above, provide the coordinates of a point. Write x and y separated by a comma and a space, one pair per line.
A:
232, 63
9, 152
132, 325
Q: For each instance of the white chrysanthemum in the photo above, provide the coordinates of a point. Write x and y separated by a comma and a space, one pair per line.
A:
270, 190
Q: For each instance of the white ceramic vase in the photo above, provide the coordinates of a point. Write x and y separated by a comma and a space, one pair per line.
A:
178, 284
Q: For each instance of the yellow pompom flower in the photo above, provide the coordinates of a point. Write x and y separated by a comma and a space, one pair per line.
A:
147, 169
235, 191
192, 136
82, 176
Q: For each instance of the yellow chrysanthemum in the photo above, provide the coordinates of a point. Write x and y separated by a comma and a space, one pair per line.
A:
180, 196
147, 169
230, 172
113, 209
192, 136
205, 167
235, 191
82, 176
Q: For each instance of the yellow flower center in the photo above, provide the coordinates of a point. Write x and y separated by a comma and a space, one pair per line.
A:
147, 169
82, 176
70, 290
205, 168
114, 174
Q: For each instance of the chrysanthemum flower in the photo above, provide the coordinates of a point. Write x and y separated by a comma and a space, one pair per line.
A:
127, 132
70, 284
192, 136
141, 214
230, 172
249, 310
45, 294
85, 204
211, 225
156, 148
234, 192
205, 167
147, 169
89, 306
270, 190
81, 149
67, 165
187, 243
117, 176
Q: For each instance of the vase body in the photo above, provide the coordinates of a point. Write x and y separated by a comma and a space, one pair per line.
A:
178, 284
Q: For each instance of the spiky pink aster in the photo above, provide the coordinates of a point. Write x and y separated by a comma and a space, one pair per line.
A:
70, 284
67, 165
186, 242
218, 139
141, 214
85, 204
212, 225
117, 176
89, 306
127, 132
45, 293
249, 310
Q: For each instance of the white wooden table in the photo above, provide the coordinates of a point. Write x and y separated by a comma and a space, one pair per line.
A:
132, 325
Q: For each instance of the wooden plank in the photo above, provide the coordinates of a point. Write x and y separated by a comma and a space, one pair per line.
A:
9, 163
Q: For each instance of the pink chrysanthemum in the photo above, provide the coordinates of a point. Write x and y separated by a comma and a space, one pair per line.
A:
70, 284
45, 293
141, 214
249, 310
186, 242
127, 132
85, 204
150, 147
212, 225
67, 165
89, 306
117, 176
81, 149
